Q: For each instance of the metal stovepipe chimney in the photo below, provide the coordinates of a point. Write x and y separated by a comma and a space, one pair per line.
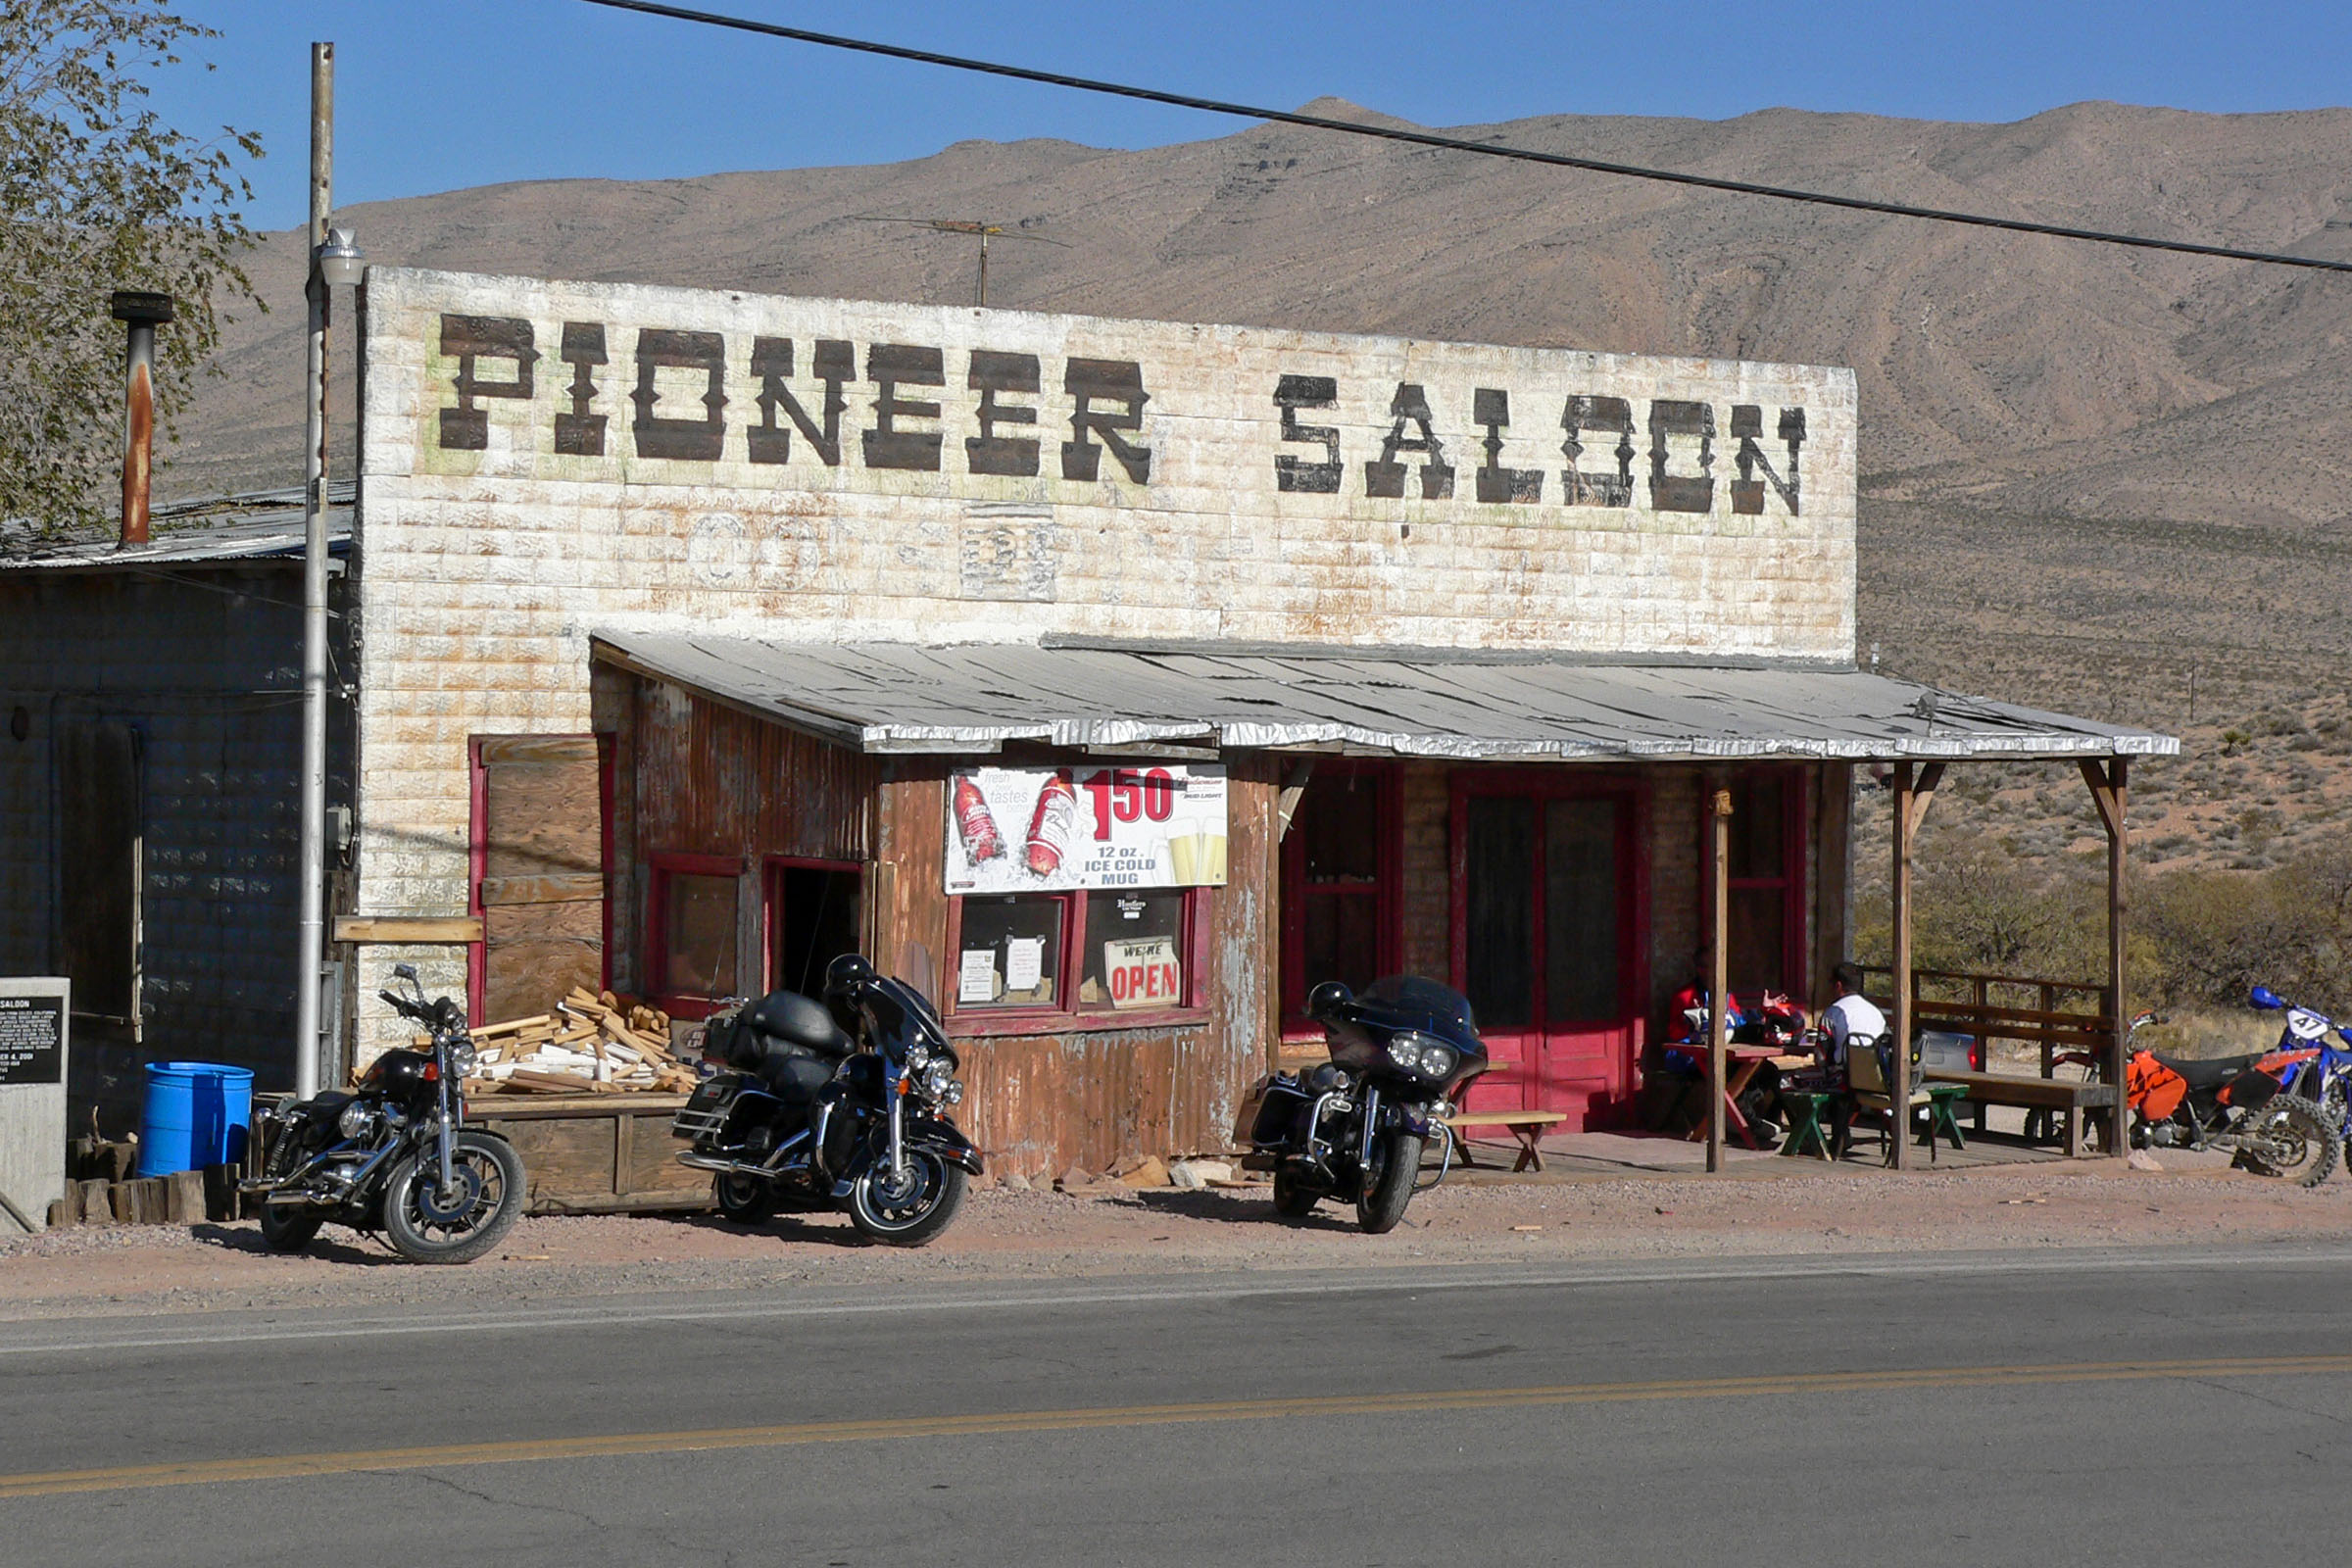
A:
142, 313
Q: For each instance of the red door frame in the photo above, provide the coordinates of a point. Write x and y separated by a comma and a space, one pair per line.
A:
1388, 894
1633, 914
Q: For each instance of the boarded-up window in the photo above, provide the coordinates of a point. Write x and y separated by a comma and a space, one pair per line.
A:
539, 835
102, 832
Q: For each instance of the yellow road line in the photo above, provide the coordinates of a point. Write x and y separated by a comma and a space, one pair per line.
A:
279, 1467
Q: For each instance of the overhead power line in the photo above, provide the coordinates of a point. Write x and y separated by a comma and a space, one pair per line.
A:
1424, 138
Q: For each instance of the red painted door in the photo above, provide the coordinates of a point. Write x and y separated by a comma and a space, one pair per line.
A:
1546, 907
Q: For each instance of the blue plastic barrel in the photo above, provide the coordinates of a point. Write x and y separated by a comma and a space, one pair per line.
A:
196, 1114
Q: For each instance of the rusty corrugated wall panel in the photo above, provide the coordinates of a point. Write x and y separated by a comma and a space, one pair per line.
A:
712, 780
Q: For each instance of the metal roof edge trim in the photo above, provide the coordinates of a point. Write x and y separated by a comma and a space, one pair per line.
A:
1410, 654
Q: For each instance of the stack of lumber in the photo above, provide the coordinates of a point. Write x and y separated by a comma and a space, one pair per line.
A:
591, 1044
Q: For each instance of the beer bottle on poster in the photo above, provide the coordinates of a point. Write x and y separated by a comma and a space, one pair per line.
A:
975, 823
1051, 823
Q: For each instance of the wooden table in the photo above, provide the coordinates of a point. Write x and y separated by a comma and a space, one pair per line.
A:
1526, 1126
1742, 1063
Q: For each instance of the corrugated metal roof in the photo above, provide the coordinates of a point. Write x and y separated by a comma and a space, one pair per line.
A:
891, 697
263, 525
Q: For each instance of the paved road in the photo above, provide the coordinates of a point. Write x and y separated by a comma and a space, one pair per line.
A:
2090, 1409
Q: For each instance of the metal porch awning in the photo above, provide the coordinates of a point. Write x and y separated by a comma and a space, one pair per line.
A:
1469, 705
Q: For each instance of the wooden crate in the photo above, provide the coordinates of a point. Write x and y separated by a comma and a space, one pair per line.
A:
596, 1153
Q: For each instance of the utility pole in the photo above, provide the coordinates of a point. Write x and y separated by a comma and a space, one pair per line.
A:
333, 260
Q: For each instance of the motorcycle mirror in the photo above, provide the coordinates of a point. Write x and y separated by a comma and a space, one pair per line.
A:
404, 972
1327, 997
2266, 998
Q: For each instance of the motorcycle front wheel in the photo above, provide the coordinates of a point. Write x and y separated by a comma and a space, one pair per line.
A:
745, 1200
2291, 1138
426, 1225
1388, 1185
906, 1212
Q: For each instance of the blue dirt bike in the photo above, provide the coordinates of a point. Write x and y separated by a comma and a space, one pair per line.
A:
2326, 1080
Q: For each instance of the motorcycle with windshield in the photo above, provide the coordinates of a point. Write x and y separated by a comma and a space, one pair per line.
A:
1353, 1128
393, 1153
839, 1104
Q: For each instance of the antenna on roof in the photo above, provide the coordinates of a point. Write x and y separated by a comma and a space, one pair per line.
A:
966, 226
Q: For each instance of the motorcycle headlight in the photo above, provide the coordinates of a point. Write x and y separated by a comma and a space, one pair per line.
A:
937, 1079
462, 1059
955, 1094
1418, 1054
919, 1055
358, 1120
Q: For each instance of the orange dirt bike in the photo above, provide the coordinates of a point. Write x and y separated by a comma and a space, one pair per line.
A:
2241, 1104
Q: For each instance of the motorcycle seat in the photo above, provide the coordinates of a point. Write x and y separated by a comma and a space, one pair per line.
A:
794, 1073
2206, 1073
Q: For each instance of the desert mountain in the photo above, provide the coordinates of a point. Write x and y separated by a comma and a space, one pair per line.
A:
2111, 480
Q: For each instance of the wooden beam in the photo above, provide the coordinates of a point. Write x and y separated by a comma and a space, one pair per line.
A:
1908, 812
405, 928
2113, 801
1922, 795
2106, 785
1293, 788
1719, 1012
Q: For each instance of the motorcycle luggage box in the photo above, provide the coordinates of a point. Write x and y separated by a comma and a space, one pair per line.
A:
789, 1019
1277, 1113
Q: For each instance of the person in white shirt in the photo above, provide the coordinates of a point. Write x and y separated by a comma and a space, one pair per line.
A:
1852, 1013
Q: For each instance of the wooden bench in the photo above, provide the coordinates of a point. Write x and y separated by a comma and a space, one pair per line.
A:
1524, 1125
2065, 1097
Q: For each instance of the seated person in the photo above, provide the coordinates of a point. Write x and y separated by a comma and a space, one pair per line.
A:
1852, 1013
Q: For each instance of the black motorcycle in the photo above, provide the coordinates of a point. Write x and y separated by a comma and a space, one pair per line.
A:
832, 1105
1354, 1127
395, 1153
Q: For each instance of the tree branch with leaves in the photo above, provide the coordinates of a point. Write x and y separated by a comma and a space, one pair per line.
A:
97, 194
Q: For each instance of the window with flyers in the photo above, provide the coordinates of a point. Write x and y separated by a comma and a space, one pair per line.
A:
1104, 953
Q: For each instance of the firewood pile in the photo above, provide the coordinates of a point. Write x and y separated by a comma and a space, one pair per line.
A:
590, 1045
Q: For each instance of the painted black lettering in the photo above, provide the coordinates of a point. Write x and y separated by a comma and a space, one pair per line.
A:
1293, 473
700, 440
1386, 476
1747, 492
891, 365
1609, 416
833, 362
471, 339
992, 373
1497, 483
1669, 416
1092, 382
580, 433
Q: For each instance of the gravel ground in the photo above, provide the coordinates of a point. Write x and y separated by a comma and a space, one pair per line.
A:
1107, 1232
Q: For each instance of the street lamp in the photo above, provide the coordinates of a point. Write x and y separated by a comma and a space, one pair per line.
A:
334, 262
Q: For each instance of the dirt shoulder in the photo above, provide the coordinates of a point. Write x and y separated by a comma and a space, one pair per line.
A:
1009, 1235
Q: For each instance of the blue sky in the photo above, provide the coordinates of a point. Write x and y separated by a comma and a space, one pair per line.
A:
439, 94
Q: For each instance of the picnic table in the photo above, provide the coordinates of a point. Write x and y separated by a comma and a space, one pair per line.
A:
1740, 1064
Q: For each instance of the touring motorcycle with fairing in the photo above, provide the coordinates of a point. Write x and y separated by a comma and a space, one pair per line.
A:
1353, 1128
834, 1105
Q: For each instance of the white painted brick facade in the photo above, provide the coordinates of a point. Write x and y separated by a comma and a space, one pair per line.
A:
482, 572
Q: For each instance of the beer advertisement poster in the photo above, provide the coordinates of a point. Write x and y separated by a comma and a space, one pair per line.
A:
1038, 829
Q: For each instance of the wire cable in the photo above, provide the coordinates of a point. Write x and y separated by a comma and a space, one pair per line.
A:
1424, 138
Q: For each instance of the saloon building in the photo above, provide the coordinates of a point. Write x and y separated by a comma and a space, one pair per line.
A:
1115, 681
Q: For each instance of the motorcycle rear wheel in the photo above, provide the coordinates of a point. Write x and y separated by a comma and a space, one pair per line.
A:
934, 1192
2294, 1141
1293, 1197
489, 1210
286, 1229
745, 1200
1388, 1185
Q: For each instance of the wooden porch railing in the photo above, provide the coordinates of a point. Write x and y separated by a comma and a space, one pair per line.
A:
2046, 1013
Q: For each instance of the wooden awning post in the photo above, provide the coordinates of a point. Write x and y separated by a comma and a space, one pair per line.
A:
1719, 969
1912, 798
2109, 790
